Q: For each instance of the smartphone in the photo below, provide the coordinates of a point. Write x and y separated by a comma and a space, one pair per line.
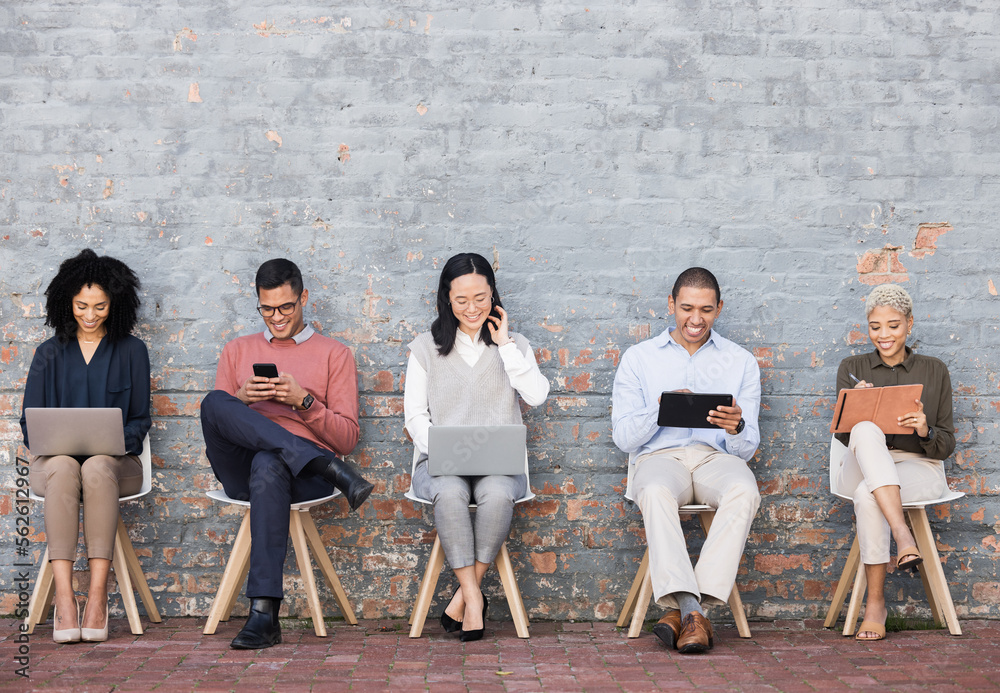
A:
265, 370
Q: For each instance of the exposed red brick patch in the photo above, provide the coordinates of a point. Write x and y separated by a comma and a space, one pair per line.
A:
986, 592
765, 356
856, 337
776, 564
383, 381
882, 266
544, 562
927, 236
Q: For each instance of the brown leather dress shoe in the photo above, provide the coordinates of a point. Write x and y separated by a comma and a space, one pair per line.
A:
696, 634
668, 628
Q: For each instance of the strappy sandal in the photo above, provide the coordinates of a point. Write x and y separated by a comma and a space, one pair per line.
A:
908, 558
870, 627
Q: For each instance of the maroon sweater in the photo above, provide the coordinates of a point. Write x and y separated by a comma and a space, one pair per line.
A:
321, 365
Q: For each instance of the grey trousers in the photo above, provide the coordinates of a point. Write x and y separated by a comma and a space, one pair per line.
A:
465, 542
99, 482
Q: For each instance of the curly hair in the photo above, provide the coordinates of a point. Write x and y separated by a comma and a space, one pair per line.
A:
892, 296
88, 269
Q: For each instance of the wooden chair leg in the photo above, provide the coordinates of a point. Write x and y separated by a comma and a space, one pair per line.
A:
935, 573
935, 609
326, 567
510, 588
232, 578
857, 596
41, 595
427, 586
306, 572
633, 593
125, 586
135, 573
843, 585
234, 595
739, 614
642, 601
735, 602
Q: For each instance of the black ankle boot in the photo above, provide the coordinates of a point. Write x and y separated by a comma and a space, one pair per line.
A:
262, 628
354, 487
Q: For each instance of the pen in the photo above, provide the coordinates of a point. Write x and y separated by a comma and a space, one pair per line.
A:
853, 377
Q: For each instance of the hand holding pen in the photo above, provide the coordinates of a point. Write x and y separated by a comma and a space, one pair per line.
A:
859, 383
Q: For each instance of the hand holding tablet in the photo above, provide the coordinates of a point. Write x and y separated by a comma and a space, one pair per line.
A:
686, 409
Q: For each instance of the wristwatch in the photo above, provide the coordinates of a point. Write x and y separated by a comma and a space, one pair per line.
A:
307, 402
930, 433
740, 426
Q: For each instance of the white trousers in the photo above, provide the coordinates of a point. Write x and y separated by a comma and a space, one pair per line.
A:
869, 465
667, 479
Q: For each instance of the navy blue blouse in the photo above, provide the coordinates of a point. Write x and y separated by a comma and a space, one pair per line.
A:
117, 376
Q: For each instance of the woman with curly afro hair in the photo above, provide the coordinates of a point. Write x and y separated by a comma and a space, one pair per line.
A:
92, 361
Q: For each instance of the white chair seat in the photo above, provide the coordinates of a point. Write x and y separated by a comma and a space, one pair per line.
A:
931, 573
304, 535
125, 563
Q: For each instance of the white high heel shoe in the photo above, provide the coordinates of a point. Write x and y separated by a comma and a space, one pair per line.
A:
96, 634
66, 634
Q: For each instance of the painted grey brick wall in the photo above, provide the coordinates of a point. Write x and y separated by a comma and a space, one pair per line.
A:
802, 150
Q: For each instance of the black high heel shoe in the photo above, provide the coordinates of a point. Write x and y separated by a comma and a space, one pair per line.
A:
449, 624
473, 635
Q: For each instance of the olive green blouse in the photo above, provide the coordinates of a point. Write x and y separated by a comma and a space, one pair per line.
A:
916, 368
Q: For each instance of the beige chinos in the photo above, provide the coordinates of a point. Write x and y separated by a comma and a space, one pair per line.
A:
869, 465
666, 479
98, 482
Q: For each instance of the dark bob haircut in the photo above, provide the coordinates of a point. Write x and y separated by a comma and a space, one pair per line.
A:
278, 272
443, 329
697, 278
88, 269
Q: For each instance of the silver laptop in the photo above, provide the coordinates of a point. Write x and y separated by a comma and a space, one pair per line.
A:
81, 432
476, 450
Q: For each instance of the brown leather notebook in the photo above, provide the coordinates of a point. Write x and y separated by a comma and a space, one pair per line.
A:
880, 405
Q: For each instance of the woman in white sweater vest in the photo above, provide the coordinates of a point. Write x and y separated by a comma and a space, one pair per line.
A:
469, 370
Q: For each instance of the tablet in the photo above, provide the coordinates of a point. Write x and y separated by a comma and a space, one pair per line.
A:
690, 409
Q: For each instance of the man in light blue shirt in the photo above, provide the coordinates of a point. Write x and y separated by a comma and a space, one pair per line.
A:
679, 466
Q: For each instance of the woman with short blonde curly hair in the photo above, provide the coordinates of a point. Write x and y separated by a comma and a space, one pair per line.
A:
886, 471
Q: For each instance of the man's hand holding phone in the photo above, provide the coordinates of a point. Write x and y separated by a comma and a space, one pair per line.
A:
261, 386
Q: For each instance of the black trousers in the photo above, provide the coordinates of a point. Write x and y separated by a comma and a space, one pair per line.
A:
259, 461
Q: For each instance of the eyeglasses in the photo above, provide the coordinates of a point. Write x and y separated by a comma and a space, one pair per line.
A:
284, 309
478, 302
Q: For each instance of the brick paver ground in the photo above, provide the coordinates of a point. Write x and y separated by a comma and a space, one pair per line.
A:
378, 655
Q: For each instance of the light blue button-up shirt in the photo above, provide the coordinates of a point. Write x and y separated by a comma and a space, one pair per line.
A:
660, 365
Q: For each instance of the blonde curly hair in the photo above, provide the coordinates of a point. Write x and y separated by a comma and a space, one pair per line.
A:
892, 296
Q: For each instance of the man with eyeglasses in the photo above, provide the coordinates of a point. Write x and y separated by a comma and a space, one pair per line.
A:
279, 440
